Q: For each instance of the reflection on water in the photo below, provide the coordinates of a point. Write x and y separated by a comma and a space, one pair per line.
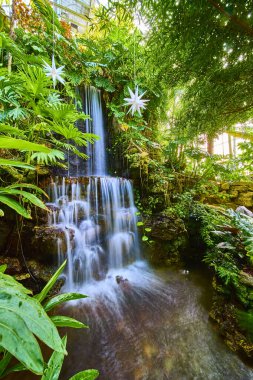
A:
151, 327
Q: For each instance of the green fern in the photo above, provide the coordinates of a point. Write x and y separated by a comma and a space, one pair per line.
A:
36, 85
63, 113
47, 158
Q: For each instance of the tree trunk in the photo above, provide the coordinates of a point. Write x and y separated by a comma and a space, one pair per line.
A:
210, 144
12, 31
230, 146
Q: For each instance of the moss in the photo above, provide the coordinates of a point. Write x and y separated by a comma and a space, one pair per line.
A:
224, 314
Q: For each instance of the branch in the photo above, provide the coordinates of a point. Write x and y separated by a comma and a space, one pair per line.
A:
242, 109
239, 22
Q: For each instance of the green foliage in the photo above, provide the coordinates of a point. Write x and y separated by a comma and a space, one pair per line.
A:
245, 320
7, 193
53, 369
89, 374
23, 318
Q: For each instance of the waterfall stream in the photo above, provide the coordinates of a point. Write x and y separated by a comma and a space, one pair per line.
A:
144, 325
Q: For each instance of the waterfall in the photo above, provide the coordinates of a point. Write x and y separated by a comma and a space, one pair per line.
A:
92, 105
95, 212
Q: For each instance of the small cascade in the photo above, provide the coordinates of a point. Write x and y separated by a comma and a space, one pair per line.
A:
95, 212
92, 105
98, 218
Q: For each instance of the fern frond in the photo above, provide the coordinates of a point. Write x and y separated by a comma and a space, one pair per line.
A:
48, 158
69, 147
36, 85
64, 113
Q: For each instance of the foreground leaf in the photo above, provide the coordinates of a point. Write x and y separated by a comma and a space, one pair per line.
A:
61, 298
55, 364
15, 206
12, 143
62, 321
36, 319
17, 164
8, 281
30, 197
19, 341
42, 295
29, 186
89, 374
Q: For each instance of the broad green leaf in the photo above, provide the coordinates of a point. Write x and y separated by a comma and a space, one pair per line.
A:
62, 321
55, 364
30, 197
3, 268
139, 224
36, 319
148, 229
15, 206
89, 374
18, 339
59, 299
42, 295
16, 164
8, 281
12, 143
1, 212
11, 130
29, 186
144, 238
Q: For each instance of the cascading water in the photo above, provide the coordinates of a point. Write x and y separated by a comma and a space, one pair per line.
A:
96, 213
98, 218
92, 105
143, 325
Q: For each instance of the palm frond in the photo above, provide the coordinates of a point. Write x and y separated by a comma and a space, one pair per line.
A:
19, 144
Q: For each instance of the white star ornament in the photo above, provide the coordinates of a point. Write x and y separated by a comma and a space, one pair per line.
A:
53, 72
135, 101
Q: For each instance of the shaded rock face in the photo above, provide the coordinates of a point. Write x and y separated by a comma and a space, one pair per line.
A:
24, 240
232, 194
169, 238
44, 243
166, 228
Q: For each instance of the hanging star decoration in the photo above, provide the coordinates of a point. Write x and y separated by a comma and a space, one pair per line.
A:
53, 72
135, 101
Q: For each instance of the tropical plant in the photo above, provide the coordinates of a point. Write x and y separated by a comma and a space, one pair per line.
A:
23, 318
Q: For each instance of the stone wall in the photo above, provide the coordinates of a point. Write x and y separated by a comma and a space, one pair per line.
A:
232, 194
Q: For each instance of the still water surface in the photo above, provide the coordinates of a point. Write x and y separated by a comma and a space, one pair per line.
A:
152, 327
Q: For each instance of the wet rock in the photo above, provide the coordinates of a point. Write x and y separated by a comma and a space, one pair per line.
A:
40, 271
169, 238
123, 282
224, 314
13, 265
166, 228
45, 243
